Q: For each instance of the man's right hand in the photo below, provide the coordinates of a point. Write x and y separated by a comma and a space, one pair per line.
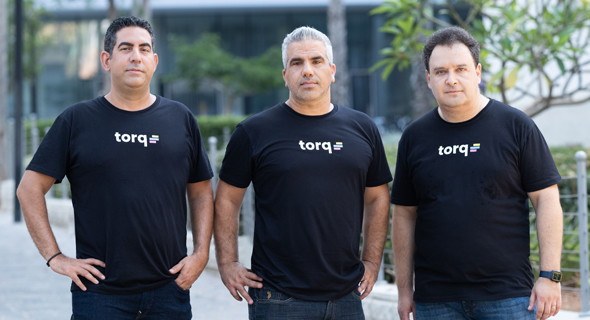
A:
74, 268
406, 305
235, 277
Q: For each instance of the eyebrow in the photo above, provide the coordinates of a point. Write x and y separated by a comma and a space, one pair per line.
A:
145, 44
458, 66
301, 59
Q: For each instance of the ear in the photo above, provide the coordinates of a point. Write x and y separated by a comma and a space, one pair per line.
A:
156, 61
285, 78
478, 73
333, 68
428, 79
105, 61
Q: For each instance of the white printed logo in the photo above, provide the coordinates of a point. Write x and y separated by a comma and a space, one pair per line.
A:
141, 138
464, 148
323, 145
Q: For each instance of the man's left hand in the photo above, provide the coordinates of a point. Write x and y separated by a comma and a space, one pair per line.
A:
190, 269
369, 279
547, 295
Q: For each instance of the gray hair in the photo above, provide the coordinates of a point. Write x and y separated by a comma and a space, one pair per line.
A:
307, 33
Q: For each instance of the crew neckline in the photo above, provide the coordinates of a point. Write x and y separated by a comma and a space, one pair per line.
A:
109, 105
480, 114
291, 111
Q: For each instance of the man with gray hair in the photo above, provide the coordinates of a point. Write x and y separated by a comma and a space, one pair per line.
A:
320, 177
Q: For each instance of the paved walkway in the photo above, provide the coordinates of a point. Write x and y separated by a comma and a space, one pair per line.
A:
30, 290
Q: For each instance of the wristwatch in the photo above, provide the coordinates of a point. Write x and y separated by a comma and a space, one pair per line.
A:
554, 276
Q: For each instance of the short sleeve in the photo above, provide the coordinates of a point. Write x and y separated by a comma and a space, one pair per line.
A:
537, 168
402, 191
378, 172
52, 156
200, 168
237, 167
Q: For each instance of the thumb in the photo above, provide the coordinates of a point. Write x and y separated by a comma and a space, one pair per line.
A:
177, 267
532, 300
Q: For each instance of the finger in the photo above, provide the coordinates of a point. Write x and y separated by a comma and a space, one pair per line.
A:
94, 271
95, 262
558, 306
532, 301
235, 294
367, 292
554, 310
177, 267
547, 311
78, 282
253, 276
363, 286
245, 294
86, 274
540, 310
403, 315
252, 284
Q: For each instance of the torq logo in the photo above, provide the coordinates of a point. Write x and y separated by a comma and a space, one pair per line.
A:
141, 138
464, 148
323, 145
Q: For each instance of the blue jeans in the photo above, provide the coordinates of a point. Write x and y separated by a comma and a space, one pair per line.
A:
270, 304
169, 302
513, 308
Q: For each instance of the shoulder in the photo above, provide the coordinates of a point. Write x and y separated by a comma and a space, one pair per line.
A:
77, 110
264, 117
510, 115
355, 115
174, 105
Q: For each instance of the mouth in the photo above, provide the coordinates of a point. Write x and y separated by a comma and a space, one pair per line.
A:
134, 70
453, 91
308, 83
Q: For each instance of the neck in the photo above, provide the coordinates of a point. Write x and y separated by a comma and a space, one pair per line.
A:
313, 108
463, 113
130, 101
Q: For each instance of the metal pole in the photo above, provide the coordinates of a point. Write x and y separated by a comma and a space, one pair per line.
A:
18, 103
213, 160
583, 226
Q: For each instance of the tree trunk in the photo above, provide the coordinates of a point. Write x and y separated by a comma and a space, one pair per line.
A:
341, 89
3, 87
106, 76
229, 104
142, 9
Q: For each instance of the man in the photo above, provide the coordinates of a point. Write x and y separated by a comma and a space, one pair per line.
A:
131, 158
315, 167
464, 174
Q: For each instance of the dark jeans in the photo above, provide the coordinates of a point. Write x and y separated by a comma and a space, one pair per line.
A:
169, 302
513, 309
270, 304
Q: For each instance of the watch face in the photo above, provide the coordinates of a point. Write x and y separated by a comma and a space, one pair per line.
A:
556, 276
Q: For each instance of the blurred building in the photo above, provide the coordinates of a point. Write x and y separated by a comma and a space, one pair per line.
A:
71, 69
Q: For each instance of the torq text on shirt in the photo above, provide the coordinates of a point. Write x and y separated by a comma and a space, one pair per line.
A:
464, 148
141, 138
316, 146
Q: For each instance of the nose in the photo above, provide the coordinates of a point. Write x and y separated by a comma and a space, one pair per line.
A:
307, 69
451, 78
136, 55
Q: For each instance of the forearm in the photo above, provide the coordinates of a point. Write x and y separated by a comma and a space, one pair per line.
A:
34, 208
201, 209
403, 226
375, 226
549, 228
228, 201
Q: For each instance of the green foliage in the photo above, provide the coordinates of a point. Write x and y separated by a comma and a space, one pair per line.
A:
205, 59
213, 125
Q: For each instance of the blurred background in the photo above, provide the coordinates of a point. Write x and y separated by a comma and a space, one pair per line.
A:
222, 59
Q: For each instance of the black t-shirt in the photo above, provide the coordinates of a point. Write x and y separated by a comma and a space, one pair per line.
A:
309, 175
128, 173
470, 182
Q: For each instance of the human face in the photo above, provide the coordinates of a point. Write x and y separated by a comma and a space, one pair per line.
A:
133, 61
453, 77
308, 73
